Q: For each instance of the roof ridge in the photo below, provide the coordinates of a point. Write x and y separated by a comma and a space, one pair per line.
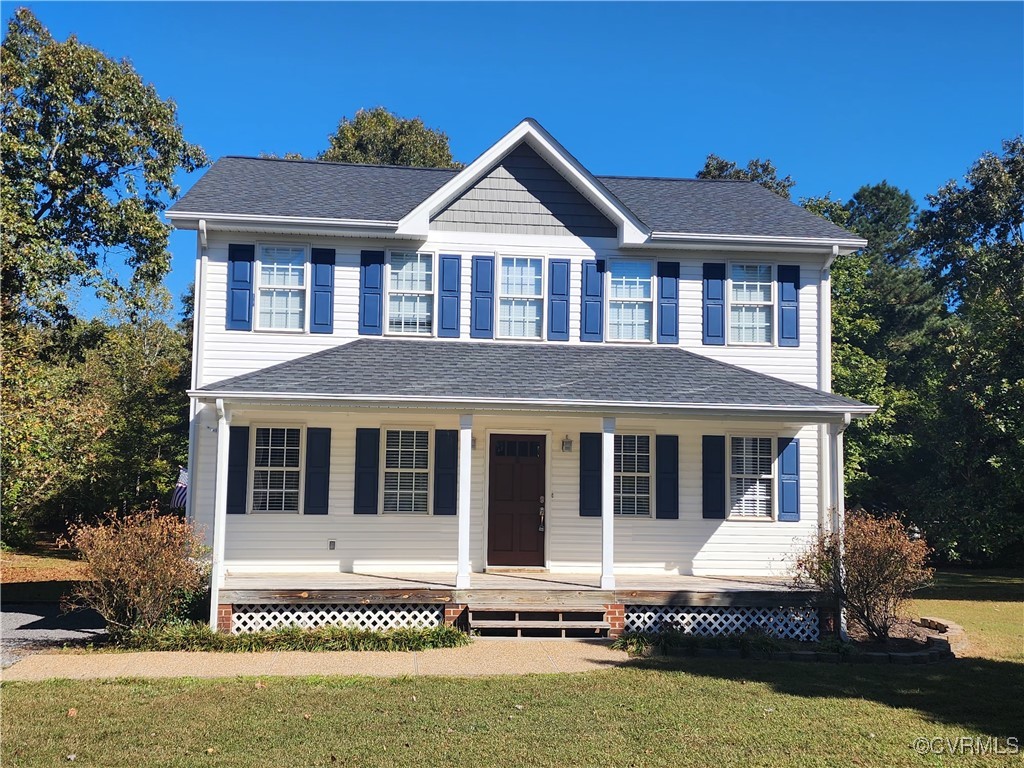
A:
309, 161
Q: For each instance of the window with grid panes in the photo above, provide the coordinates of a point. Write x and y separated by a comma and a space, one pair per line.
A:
406, 471
750, 477
411, 293
521, 300
750, 304
276, 469
282, 288
632, 475
631, 301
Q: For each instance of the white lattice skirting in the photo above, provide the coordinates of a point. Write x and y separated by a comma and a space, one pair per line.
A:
790, 623
256, 617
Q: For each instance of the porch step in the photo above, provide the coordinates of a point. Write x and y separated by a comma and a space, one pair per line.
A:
537, 621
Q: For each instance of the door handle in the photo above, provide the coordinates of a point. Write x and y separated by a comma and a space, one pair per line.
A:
541, 526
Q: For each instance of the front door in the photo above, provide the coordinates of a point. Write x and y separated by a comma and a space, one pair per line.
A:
515, 509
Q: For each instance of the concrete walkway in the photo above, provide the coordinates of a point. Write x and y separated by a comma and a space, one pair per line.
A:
482, 657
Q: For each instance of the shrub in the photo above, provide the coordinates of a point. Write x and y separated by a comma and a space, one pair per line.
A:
882, 566
142, 567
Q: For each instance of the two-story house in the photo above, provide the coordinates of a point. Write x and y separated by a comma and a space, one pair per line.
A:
512, 393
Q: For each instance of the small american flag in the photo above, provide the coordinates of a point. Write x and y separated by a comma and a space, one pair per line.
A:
180, 492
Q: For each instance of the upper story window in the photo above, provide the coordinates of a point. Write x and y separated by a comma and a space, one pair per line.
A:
411, 293
633, 475
521, 299
406, 471
276, 469
281, 297
751, 466
631, 301
751, 295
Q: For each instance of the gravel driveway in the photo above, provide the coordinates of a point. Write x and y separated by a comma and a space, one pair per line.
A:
29, 627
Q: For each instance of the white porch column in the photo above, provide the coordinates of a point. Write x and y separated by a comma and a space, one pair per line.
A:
838, 498
220, 508
465, 485
608, 503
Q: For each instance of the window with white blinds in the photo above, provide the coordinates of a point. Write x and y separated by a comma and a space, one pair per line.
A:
411, 293
751, 465
751, 304
406, 471
521, 300
276, 469
282, 288
631, 301
632, 475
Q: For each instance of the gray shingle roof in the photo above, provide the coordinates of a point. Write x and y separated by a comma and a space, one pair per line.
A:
265, 187
407, 369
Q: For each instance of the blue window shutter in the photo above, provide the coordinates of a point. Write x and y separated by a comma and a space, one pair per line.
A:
592, 320
666, 477
714, 304
789, 305
241, 259
481, 313
318, 470
371, 293
668, 302
238, 470
321, 314
590, 474
446, 471
789, 480
449, 295
713, 471
558, 300
367, 475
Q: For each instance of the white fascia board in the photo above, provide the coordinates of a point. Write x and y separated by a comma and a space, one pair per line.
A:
631, 230
815, 414
847, 245
190, 220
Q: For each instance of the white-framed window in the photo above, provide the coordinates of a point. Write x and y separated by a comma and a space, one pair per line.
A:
631, 301
751, 303
632, 475
276, 469
281, 295
751, 473
521, 297
411, 293
406, 469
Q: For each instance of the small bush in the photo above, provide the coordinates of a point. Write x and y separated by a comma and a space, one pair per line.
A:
882, 566
195, 636
144, 567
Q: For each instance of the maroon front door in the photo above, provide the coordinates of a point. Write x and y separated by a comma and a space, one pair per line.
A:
515, 509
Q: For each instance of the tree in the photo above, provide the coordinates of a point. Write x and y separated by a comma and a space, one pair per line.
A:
761, 171
89, 157
379, 137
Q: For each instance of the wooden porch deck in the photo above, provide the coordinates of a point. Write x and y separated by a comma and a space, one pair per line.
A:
512, 589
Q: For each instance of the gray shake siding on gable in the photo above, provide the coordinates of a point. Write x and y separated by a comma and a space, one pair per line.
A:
523, 195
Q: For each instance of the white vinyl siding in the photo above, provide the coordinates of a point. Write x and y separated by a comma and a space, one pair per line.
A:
633, 475
521, 302
751, 461
276, 469
631, 301
406, 471
281, 296
411, 293
751, 308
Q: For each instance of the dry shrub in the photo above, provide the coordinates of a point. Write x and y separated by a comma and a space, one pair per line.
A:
140, 567
882, 566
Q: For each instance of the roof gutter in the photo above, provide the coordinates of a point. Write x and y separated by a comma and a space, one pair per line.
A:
836, 246
191, 219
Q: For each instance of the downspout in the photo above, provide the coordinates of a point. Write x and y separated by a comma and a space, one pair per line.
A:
824, 378
193, 406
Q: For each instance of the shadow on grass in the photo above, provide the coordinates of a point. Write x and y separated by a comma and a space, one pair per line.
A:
997, 585
977, 694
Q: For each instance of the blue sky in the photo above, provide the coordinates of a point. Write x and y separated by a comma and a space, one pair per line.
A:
836, 94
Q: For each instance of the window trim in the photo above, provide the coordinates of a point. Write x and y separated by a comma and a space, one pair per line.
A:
609, 271
773, 481
382, 468
258, 285
251, 479
542, 298
774, 306
652, 513
433, 293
